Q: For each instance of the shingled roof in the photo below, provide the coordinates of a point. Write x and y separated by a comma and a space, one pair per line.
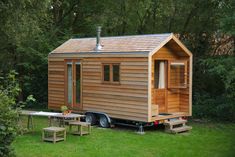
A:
134, 43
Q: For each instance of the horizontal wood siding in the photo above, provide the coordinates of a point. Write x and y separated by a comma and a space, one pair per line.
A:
55, 83
127, 100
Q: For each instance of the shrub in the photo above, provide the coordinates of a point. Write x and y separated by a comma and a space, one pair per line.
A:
214, 88
9, 89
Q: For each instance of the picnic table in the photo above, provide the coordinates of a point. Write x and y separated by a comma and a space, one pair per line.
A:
50, 115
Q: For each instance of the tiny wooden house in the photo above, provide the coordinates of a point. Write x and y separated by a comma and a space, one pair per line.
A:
140, 78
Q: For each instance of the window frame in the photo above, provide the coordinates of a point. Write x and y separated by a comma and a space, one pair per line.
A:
111, 74
74, 104
185, 74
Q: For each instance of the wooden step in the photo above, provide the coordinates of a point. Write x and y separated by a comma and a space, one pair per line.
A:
180, 129
175, 122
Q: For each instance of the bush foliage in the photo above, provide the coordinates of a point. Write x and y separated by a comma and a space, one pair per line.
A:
214, 88
9, 89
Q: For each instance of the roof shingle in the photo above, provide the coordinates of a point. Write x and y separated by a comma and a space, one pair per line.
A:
135, 43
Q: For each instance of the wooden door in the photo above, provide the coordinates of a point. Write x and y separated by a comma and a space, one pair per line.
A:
160, 89
73, 84
160, 96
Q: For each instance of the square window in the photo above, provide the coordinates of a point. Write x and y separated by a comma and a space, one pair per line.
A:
177, 75
111, 73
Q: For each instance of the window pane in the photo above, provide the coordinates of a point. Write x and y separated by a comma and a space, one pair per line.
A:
161, 84
116, 70
156, 73
106, 73
177, 75
78, 84
70, 83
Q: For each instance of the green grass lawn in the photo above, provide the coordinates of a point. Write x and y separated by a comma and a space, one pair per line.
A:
205, 140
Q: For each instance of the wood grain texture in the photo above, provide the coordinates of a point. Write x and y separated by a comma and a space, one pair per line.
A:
55, 83
127, 99
177, 100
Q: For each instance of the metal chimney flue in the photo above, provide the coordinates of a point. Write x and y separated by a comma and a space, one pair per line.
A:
98, 44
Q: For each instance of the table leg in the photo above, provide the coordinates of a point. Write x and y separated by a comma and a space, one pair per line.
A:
49, 118
63, 122
80, 130
60, 123
65, 134
54, 137
70, 128
30, 122
43, 135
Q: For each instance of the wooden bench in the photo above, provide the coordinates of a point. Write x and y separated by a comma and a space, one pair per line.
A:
54, 134
80, 126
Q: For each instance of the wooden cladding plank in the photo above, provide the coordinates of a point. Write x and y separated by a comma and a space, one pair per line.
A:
55, 69
56, 59
60, 99
131, 67
123, 98
115, 90
60, 62
114, 93
93, 74
134, 71
111, 86
56, 89
142, 79
141, 75
56, 76
54, 79
135, 63
56, 66
59, 102
55, 82
56, 95
117, 108
117, 102
98, 78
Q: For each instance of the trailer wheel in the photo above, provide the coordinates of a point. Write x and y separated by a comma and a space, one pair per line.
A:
91, 118
103, 121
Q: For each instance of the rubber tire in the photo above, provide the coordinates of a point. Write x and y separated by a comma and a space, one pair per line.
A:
91, 118
103, 121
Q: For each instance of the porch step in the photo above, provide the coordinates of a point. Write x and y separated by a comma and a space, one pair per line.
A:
176, 126
176, 122
181, 129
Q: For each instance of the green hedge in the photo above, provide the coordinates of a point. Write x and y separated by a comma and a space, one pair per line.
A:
214, 88
9, 89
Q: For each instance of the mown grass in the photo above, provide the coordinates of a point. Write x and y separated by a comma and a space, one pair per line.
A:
205, 140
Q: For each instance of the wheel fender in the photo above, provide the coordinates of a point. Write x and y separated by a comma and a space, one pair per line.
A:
100, 113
